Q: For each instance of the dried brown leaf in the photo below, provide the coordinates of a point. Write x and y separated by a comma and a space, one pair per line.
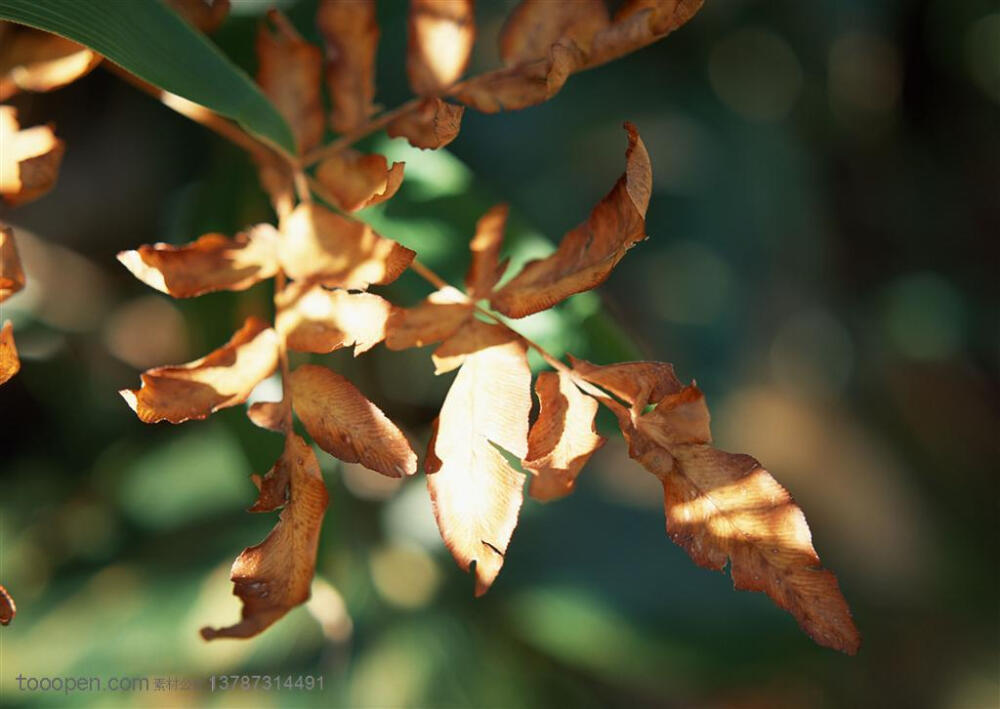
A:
431, 125
440, 38
563, 437
339, 252
587, 254
8, 609
725, 508
211, 263
275, 576
355, 180
474, 335
486, 269
535, 25
11, 273
29, 161
350, 35
9, 362
32, 60
436, 318
206, 15
347, 425
639, 23
270, 415
476, 494
638, 383
313, 319
289, 71
222, 378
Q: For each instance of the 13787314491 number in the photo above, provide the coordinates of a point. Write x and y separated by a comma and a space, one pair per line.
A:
266, 683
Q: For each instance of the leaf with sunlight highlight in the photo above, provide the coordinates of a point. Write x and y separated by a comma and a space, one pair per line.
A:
437, 317
29, 161
32, 60
11, 273
314, 319
440, 38
9, 362
355, 180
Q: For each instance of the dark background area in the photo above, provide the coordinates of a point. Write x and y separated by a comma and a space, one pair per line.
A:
822, 259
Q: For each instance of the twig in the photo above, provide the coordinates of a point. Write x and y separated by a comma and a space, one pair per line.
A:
347, 139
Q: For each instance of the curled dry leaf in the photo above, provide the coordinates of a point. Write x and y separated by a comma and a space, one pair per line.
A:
9, 362
289, 71
313, 319
440, 38
275, 576
350, 35
32, 60
725, 508
270, 415
563, 437
436, 318
223, 378
535, 25
347, 425
587, 254
321, 246
212, 263
474, 335
638, 383
486, 269
639, 23
476, 494
8, 609
29, 161
355, 180
11, 273
431, 125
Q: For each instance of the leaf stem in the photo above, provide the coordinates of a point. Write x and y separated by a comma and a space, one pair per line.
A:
347, 139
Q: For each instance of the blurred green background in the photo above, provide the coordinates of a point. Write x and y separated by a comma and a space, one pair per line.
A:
822, 258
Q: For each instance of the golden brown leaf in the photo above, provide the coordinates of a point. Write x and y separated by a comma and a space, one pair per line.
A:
523, 85
431, 125
270, 415
356, 181
436, 318
313, 319
222, 378
32, 60
289, 71
587, 254
563, 437
212, 263
9, 362
206, 15
11, 273
638, 383
275, 576
339, 252
639, 23
347, 425
440, 38
474, 335
29, 161
476, 494
486, 269
350, 35
7, 607
725, 508
535, 25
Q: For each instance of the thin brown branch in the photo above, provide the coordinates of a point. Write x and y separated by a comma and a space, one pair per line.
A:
348, 139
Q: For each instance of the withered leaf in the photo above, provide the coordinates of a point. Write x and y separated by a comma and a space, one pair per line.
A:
321, 246
270, 415
211, 263
9, 362
434, 319
32, 60
440, 38
486, 269
29, 161
222, 378
8, 609
524, 85
725, 508
476, 494
274, 576
587, 254
206, 15
356, 180
431, 125
535, 25
350, 35
639, 23
563, 437
289, 71
474, 335
11, 273
638, 383
347, 425
314, 319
